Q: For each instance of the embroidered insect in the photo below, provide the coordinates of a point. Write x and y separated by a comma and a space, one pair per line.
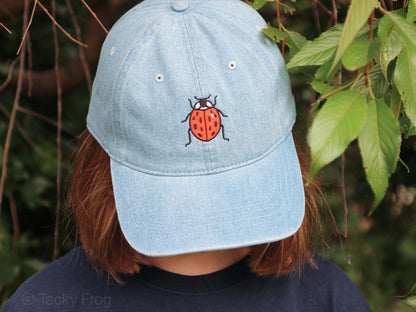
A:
204, 120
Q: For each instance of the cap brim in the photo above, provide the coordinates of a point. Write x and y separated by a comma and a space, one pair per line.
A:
171, 215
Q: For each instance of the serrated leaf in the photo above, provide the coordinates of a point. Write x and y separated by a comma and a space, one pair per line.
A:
411, 11
359, 53
323, 72
404, 78
258, 4
392, 44
379, 143
274, 33
408, 129
379, 84
335, 126
319, 50
358, 14
295, 41
320, 86
410, 297
405, 29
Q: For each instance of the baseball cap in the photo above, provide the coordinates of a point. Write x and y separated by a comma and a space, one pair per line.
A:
194, 107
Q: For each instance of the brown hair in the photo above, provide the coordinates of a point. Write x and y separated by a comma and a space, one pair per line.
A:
92, 202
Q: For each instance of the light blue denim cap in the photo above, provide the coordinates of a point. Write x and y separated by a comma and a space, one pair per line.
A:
194, 107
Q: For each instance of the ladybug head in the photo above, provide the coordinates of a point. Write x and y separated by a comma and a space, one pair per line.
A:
203, 104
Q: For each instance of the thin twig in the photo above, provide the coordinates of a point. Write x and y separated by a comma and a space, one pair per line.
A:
59, 26
46, 119
58, 136
14, 109
383, 4
15, 221
324, 8
335, 12
344, 198
316, 16
30, 63
367, 69
23, 132
95, 16
280, 26
8, 30
27, 27
80, 49
10, 75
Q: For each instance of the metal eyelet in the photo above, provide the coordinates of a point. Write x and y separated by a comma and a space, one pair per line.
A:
232, 65
159, 77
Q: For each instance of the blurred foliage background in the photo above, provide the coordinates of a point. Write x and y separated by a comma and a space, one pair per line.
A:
382, 247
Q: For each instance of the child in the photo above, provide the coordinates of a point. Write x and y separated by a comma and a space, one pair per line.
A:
187, 189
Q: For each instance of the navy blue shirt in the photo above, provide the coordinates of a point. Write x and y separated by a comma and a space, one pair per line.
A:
72, 284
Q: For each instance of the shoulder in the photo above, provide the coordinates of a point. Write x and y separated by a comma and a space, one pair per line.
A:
326, 285
56, 285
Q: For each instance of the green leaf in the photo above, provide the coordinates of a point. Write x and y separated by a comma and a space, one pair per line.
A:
337, 124
258, 4
320, 86
408, 129
319, 50
405, 29
358, 14
379, 84
395, 102
379, 143
392, 44
274, 33
359, 53
295, 41
411, 11
404, 78
410, 298
324, 73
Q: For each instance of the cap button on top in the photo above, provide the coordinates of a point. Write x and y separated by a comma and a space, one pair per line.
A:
180, 5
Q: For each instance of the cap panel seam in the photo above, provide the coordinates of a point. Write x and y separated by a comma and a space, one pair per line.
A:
199, 72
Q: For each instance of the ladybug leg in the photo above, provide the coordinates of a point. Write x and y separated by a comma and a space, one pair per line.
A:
187, 117
189, 135
215, 101
221, 113
190, 103
222, 133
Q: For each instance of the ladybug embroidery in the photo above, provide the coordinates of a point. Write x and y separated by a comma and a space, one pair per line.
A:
204, 120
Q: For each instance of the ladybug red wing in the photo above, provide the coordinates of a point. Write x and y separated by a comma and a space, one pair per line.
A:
197, 124
212, 123
205, 124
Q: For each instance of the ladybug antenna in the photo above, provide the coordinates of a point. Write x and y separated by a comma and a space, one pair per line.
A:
202, 98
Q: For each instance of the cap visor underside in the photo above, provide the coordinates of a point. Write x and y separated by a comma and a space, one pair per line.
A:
170, 215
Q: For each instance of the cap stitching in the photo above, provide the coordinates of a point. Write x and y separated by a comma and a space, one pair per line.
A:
193, 173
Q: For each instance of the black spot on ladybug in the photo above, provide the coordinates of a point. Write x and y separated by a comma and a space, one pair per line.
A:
213, 132
209, 118
215, 124
202, 129
200, 119
200, 135
210, 128
193, 118
195, 126
197, 113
